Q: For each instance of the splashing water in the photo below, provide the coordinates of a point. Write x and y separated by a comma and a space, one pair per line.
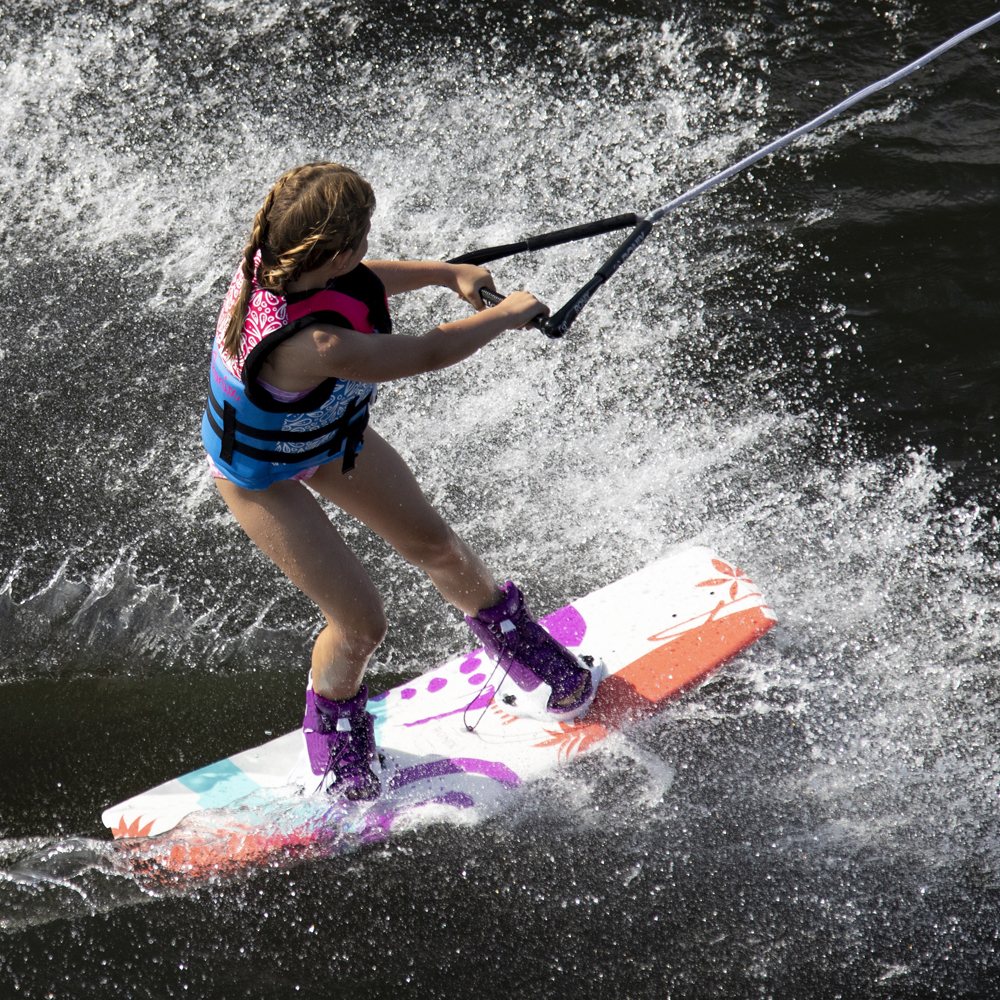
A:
832, 793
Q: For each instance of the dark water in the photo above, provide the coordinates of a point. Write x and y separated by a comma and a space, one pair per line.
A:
801, 369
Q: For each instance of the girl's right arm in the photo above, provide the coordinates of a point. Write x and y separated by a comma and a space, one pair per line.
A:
322, 351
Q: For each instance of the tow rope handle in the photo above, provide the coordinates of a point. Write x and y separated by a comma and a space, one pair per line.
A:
555, 239
556, 325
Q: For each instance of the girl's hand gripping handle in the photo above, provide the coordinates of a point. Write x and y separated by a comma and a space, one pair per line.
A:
492, 298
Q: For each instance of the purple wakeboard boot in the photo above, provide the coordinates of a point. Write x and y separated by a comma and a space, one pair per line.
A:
340, 741
550, 683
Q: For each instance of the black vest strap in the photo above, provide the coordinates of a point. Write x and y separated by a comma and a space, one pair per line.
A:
355, 434
264, 435
228, 431
348, 428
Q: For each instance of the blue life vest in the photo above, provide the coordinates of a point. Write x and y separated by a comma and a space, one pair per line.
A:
253, 438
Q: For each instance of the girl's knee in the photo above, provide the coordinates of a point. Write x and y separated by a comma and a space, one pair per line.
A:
371, 625
360, 638
358, 627
374, 632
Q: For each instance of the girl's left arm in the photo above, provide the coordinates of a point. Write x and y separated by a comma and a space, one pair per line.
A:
464, 280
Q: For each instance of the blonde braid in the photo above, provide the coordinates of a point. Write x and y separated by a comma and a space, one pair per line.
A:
288, 266
323, 210
234, 331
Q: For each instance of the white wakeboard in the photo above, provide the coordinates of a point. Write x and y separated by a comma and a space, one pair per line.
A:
657, 633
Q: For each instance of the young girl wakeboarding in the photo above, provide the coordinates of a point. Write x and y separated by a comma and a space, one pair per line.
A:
301, 345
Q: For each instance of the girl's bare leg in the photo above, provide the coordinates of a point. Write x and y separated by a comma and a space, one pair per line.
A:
383, 493
288, 524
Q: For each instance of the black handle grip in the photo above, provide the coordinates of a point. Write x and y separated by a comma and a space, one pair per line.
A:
491, 298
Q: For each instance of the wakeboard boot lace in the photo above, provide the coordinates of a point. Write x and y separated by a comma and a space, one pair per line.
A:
350, 762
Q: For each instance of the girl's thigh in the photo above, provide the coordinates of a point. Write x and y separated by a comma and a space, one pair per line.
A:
383, 493
288, 524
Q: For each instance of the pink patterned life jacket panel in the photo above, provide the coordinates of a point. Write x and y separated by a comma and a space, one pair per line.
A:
266, 313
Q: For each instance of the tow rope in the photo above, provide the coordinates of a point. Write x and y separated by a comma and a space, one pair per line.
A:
557, 324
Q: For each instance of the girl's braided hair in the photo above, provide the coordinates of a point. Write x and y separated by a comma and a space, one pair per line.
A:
312, 214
